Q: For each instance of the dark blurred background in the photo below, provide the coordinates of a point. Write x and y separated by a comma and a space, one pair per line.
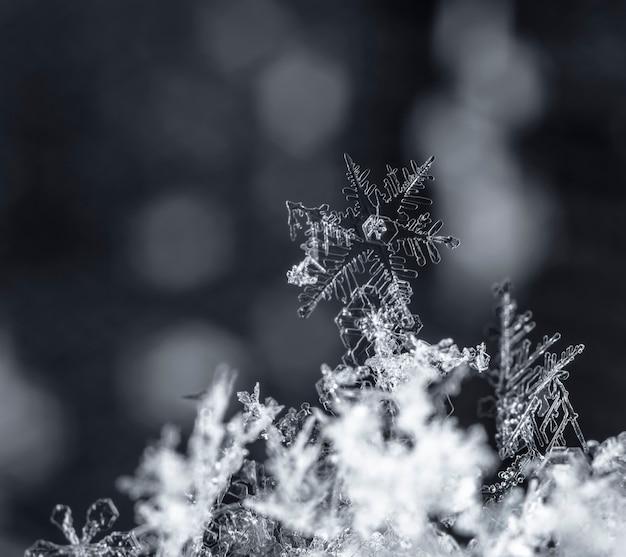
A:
146, 152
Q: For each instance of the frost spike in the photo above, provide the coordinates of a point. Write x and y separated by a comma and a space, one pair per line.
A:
533, 408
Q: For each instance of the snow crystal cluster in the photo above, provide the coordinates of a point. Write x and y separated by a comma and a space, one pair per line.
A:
381, 467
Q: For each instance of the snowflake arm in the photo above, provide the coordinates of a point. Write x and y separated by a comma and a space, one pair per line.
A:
408, 191
360, 193
339, 279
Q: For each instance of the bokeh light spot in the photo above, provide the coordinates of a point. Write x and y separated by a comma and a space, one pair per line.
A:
181, 241
159, 369
494, 72
190, 116
32, 428
238, 34
303, 101
505, 221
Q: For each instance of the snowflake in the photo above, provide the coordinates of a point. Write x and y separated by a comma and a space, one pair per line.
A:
340, 385
532, 406
255, 411
101, 515
363, 256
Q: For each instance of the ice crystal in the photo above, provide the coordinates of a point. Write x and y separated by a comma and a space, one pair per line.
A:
567, 510
409, 470
532, 403
292, 422
180, 496
364, 255
532, 406
610, 458
302, 497
256, 412
101, 515
376, 320
349, 482
340, 385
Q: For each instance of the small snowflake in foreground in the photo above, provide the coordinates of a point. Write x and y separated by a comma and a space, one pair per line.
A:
100, 517
255, 411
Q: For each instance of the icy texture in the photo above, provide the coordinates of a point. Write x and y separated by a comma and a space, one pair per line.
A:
388, 474
180, 494
303, 498
363, 256
568, 511
332, 484
402, 466
100, 517
388, 471
610, 458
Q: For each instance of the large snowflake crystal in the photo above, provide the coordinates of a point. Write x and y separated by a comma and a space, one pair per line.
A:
365, 255
532, 406
100, 517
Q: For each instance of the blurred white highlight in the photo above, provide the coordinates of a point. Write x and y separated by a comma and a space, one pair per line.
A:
495, 73
182, 240
505, 221
161, 368
302, 101
504, 217
32, 428
191, 116
239, 34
